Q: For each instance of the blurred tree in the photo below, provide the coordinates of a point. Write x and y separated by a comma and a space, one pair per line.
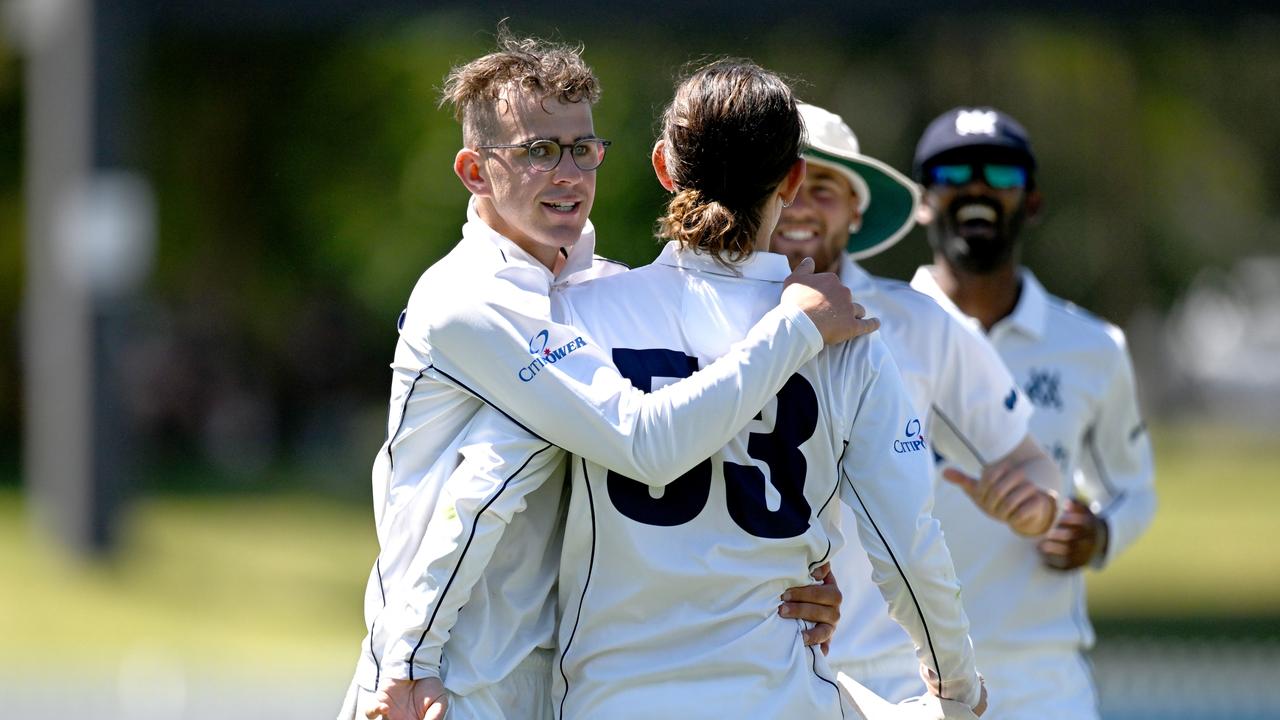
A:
11, 257
304, 183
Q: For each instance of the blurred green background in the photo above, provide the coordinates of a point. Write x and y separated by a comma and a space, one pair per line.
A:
302, 174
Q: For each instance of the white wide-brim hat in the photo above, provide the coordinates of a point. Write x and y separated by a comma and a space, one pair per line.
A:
886, 198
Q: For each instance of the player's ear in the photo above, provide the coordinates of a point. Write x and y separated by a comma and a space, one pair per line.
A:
468, 168
791, 183
924, 211
659, 160
1034, 203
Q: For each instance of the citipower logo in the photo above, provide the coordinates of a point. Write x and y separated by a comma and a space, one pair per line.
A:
915, 441
544, 355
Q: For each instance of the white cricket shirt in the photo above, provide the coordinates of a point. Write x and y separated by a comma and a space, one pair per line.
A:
669, 591
971, 406
478, 330
1075, 370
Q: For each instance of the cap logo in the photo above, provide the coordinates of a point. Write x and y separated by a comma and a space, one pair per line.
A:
976, 122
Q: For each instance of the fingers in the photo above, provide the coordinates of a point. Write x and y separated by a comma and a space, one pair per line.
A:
1060, 557
804, 268
819, 634
1009, 481
1075, 506
864, 326
967, 483
1065, 548
1006, 494
1034, 515
1076, 520
822, 572
993, 484
827, 594
812, 612
818, 604
1015, 496
828, 303
377, 711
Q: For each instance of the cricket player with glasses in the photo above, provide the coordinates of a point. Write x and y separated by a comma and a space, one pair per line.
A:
479, 333
853, 206
1026, 595
668, 588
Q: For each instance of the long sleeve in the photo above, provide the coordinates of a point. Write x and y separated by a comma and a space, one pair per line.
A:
976, 397
887, 482
1117, 471
555, 381
501, 466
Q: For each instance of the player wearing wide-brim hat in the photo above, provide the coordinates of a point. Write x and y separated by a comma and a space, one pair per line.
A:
970, 404
887, 199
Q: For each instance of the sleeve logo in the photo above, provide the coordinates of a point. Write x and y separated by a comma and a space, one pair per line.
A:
1012, 400
914, 441
544, 354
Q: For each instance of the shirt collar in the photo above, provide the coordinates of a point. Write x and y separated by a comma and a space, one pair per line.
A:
855, 278
767, 266
1029, 315
1032, 311
580, 258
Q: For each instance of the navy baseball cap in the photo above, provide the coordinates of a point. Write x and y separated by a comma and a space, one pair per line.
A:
980, 129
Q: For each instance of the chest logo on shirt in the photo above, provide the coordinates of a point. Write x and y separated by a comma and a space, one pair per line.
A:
1012, 400
1043, 388
544, 354
914, 441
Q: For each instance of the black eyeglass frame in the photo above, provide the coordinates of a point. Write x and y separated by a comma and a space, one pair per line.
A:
560, 148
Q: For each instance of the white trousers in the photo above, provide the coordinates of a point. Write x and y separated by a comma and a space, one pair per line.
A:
1039, 685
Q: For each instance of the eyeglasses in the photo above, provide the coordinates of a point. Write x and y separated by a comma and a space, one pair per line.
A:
999, 177
544, 155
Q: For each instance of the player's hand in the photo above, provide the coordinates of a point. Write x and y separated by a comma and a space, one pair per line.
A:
1075, 540
1006, 493
423, 699
828, 303
818, 604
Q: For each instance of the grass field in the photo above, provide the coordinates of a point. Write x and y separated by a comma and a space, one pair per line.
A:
1212, 549
276, 581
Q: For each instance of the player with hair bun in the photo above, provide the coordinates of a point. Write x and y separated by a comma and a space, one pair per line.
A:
669, 589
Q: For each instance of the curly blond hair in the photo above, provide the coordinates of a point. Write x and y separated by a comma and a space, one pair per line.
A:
477, 90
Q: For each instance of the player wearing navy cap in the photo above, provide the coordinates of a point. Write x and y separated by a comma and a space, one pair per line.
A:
478, 331
853, 206
1026, 597
668, 589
